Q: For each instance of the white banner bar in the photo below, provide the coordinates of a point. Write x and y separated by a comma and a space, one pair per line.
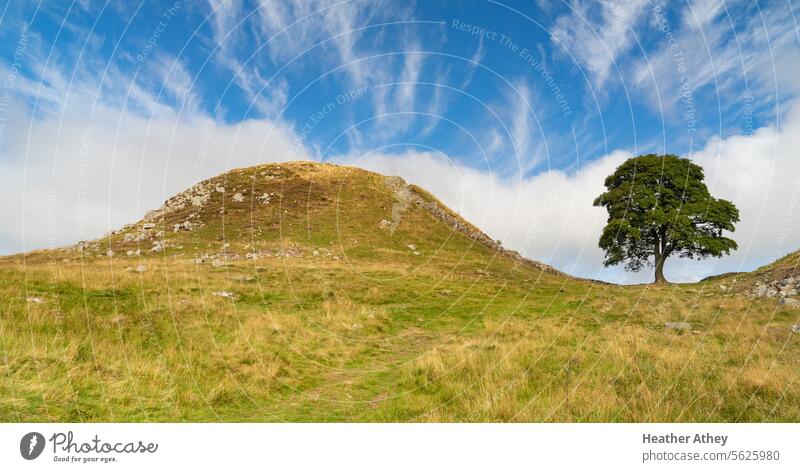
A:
399, 447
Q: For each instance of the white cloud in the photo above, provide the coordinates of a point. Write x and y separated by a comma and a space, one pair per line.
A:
406, 92
700, 13
760, 174
79, 177
597, 34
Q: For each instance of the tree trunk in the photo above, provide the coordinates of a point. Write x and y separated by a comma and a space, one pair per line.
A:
660, 269
660, 254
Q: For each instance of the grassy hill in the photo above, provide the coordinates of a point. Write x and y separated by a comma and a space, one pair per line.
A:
312, 292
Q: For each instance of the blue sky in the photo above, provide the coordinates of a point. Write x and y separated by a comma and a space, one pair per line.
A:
511, 112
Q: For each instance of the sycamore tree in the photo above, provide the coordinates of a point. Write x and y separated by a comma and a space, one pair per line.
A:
659, 206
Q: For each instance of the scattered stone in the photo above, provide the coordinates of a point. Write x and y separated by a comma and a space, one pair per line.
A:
220, 189
200, 200
218, 263
796, 328
238, 198
140, 269
152, 215
264, 199
385, 224
244, 279
678, 325
412, 247
110, 253
222, 294
416, 253
789, 302
147, 226
34, 300
315, 252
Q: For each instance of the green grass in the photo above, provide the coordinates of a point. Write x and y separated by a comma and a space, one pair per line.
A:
457, 333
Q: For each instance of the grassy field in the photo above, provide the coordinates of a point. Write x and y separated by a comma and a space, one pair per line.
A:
334, 299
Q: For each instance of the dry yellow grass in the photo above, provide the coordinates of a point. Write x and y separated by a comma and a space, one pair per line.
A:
367, 330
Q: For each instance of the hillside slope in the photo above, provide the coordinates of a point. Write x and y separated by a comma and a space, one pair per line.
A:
311, 292
304, 209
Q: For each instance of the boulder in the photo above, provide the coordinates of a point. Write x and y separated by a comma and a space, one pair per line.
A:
789, 302
678, 325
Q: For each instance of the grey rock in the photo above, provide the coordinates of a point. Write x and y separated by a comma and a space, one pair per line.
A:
678, 325
789, 302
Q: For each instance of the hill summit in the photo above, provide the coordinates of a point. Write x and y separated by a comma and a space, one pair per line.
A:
304, 209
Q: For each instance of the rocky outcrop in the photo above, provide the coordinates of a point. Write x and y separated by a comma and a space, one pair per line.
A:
782, 288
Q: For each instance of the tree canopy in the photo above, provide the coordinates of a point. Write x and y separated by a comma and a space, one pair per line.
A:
658, 206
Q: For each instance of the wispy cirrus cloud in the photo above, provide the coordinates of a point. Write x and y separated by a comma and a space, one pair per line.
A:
598, 34
736, 49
